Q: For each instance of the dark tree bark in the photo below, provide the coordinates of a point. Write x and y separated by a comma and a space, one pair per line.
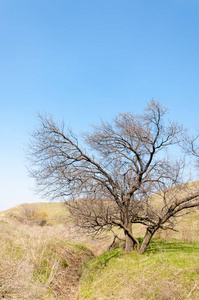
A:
130, 244
147, 238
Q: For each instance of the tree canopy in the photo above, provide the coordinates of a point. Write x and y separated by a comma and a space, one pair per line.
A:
109, 177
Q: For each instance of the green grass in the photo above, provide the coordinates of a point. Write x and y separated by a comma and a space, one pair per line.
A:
165, 271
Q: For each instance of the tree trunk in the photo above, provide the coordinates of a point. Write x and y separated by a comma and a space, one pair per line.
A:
147, 238
129, 244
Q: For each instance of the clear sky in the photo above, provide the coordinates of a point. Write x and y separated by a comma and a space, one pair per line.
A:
83, 61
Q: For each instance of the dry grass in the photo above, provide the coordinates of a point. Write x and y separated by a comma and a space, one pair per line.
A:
38, 262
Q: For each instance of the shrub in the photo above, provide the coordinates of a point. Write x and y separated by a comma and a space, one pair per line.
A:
40, 217
32, 215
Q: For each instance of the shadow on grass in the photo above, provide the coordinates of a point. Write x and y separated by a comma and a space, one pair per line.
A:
101, 261
157, 245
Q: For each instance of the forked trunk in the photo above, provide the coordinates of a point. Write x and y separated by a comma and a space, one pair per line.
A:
147, 238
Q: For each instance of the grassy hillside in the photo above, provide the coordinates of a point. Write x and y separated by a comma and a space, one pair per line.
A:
56, 262
166, 271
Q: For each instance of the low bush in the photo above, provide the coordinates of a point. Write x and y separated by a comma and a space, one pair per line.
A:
33, 215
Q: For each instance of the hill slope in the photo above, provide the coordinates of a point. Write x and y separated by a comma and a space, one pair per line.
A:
46, 262
57, 211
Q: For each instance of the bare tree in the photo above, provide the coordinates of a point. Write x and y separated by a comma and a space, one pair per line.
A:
190, 145
115, 174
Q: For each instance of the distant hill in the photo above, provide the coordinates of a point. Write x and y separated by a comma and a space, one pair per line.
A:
57, 211
187, 227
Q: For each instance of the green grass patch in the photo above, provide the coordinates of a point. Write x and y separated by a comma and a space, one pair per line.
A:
165, 271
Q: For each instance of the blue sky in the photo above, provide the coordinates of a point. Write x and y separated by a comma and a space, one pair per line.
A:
83, 61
